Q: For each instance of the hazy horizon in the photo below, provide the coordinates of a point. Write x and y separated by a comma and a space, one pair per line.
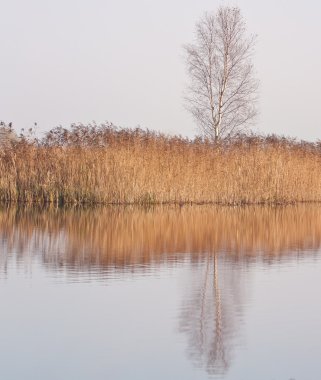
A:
79, 61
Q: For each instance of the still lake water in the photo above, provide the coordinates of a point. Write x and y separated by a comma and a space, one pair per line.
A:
132, 293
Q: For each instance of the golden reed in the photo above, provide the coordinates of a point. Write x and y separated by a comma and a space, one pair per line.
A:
103, 164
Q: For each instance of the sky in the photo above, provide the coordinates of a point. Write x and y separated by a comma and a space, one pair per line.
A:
70, 61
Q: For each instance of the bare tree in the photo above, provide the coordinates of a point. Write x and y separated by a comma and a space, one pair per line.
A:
222, 92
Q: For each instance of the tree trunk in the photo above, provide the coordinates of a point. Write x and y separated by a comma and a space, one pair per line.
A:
217, 131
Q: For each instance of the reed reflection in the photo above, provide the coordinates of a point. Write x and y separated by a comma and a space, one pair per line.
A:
131, 236
217, 242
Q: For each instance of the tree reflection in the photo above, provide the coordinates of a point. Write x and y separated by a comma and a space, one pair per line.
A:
211, 315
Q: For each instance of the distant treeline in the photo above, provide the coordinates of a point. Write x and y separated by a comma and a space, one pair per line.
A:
105, 164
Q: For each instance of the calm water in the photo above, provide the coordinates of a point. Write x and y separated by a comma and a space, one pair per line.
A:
161, 293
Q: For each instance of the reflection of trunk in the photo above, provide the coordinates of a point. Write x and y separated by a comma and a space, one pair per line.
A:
203, 305
218, 349
210, 298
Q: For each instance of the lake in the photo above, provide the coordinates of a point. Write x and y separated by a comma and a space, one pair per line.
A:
166, 292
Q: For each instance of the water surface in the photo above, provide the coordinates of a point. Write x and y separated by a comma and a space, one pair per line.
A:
160, 293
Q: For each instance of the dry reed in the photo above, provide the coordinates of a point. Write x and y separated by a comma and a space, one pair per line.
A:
103, 164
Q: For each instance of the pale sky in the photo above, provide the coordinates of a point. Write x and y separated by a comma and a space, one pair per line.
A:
66, 61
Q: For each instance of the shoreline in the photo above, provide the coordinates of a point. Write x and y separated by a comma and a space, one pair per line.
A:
154, 204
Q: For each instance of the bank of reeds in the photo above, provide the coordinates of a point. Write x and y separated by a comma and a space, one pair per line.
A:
103, 164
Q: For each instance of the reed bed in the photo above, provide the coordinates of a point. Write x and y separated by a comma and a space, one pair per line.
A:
104, 164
